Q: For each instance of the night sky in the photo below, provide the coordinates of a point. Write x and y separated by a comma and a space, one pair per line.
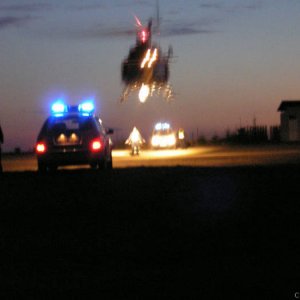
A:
234, 61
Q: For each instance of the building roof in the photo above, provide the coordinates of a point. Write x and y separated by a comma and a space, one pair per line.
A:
288, 103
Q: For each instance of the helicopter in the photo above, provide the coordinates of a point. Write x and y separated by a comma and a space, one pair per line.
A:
146, 68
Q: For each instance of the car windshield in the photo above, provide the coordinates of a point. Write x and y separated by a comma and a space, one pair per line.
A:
162, 131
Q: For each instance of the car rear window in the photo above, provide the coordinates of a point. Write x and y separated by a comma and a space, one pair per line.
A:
71, 123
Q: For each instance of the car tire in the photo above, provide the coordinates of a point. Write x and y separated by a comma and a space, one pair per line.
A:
42, 168
94, 165
109, 163
52, 168
102, 164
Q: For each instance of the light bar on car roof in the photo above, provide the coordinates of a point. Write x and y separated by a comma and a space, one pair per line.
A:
86, 107
58, 108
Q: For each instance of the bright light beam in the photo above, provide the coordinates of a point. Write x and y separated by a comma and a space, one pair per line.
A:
144, 93
138, 22
146, 58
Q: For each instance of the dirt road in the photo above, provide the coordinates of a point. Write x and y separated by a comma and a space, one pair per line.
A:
208, 156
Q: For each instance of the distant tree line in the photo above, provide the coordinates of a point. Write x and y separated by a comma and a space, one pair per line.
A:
248, 135
243, 135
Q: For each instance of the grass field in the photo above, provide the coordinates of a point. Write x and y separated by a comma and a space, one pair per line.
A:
136, 233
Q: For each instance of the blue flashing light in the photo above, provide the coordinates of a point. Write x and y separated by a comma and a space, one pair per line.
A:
58, 108
86, 108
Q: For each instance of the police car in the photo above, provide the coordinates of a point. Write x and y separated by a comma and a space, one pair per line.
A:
163, 136
73, 135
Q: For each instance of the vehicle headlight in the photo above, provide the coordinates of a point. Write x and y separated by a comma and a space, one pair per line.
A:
155, 141
171, 140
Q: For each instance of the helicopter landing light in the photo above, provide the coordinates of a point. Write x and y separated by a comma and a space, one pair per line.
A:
144, 93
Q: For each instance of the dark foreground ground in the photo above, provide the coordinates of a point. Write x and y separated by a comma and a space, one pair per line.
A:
171, 233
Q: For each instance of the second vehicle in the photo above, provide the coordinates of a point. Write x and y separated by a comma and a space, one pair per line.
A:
163, 136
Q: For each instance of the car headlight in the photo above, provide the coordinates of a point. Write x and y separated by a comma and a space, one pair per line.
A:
155, 141
171, 140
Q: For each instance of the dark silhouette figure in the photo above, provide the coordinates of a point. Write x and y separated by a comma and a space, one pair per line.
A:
1, 142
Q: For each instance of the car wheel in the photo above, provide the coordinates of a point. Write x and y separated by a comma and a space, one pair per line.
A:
52, 168
109, 163
94, 165
102, 164
42, 168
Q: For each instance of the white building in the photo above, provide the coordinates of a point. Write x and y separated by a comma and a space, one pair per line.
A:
289, 120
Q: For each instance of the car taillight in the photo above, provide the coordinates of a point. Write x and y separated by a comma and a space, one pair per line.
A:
41, 148
96, 145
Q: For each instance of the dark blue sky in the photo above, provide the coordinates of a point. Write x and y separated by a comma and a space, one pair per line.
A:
234, 60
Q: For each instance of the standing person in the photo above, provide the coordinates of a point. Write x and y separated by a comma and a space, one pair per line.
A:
1, 142
135, 140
